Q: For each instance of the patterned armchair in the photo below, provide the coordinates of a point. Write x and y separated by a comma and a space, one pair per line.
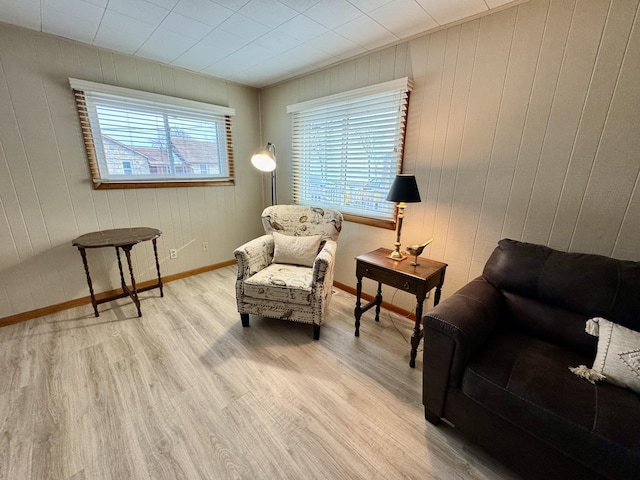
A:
282, 290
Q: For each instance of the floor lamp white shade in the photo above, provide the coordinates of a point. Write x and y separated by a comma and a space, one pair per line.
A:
265, 161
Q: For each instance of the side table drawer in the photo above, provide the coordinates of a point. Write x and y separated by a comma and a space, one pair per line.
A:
390, 278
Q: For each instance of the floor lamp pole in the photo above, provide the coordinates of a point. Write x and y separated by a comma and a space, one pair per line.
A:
274, 196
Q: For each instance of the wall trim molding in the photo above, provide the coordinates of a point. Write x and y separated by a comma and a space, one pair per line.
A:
78, 302
39, 312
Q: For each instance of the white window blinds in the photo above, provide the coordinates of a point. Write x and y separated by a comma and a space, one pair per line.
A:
140, 137
347, 148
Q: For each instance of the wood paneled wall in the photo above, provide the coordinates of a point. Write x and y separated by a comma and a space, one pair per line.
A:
46, 198
522, 124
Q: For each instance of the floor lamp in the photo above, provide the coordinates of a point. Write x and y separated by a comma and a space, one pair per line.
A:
265, 161
404, 189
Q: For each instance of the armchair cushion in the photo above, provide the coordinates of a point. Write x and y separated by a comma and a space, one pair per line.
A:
282, 283
296, 250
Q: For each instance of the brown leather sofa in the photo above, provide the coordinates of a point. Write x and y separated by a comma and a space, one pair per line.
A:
497, 355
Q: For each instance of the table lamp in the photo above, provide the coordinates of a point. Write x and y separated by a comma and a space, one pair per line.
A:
265, 161
404, 189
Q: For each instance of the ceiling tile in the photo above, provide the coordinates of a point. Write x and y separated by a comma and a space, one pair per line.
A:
204, 11
271, 13
234, 5
366, 32
115, 39
63, 24
165, 45
139, 9
168, 4
74, 8
307, 54
180, 24
248, 56
196, 58
368, 5
222, 44
333, 13
303, 28
404, 18
277, 41
335, 44
243, 27
300, 5
129, 28
122, 33
452, 10
22, 13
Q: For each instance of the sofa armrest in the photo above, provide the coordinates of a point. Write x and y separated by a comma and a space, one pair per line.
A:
254, 256
453, 331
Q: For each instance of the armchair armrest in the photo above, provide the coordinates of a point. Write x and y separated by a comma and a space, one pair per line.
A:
254, 256
324, 262
322, 277
453, 331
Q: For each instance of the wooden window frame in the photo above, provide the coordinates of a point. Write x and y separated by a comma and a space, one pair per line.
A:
99, 183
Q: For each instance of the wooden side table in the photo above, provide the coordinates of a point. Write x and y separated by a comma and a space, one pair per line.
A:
125, 239
417, 280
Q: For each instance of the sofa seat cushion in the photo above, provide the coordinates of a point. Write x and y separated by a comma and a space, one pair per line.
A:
527, 382
286, 283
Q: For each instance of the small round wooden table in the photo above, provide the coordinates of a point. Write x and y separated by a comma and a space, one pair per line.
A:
125, 239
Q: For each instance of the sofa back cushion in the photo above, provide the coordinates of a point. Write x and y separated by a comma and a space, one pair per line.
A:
574, 287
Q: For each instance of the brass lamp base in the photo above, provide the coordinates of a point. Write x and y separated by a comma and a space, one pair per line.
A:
397, 255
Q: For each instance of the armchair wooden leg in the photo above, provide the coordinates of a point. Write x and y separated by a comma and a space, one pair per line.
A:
316, 332
244, 317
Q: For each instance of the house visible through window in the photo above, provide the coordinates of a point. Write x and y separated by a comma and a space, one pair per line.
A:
347, 149
136, 138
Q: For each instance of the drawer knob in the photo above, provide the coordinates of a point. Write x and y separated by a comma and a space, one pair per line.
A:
407, 286
366, 270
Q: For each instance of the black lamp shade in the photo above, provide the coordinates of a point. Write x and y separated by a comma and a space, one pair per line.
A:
404, 189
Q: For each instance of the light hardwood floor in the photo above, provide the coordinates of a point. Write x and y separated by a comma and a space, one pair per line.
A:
186, 392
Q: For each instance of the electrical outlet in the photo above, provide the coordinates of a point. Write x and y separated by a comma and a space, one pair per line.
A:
173, 253
205, 246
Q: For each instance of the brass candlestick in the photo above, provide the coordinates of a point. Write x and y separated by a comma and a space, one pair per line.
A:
397, 254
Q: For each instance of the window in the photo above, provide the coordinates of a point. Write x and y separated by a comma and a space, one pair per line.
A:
347, 149
141, 139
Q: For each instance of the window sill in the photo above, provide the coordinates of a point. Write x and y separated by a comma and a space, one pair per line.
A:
97, 185
374, 222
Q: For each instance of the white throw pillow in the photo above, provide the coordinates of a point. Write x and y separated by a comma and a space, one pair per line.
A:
618, 357
296, 250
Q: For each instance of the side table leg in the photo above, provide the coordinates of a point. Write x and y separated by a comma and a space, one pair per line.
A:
378, 301
436, 297
134, 290
122, 282
358, 310
417, 334
83, 254
155, 252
